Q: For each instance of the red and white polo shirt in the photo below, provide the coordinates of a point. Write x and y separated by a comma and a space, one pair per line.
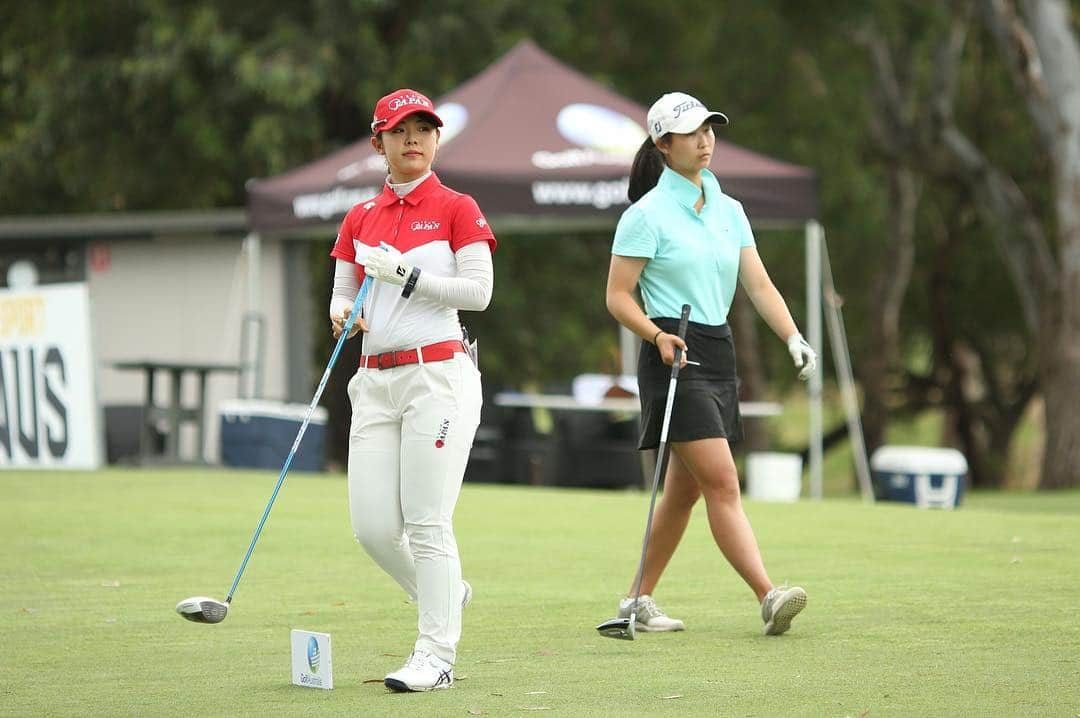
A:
428, 225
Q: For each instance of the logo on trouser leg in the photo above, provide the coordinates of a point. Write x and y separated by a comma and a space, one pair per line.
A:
440, 438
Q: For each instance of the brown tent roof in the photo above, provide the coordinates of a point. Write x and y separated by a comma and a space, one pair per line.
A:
527, 136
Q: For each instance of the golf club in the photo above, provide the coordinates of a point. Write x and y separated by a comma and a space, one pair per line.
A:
203, 609
624, 627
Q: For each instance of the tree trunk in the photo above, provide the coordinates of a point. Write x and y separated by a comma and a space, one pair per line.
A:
1043, 56
890, 284
891, 126
1059, 365
955, 367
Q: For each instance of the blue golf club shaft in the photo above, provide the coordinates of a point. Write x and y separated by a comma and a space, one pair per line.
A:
303, 427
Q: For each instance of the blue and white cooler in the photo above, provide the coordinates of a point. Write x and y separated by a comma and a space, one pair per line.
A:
925, 476
259, 434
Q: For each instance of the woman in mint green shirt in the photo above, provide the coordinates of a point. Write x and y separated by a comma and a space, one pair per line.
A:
683, 241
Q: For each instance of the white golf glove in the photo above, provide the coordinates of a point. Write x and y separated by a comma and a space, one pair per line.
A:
386, 265
802, 354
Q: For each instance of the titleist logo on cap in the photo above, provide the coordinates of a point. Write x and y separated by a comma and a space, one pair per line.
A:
682, 107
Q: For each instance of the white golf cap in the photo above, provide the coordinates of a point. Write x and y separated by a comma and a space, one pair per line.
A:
679, 112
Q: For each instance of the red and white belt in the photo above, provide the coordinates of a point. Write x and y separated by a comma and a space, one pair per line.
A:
440, 351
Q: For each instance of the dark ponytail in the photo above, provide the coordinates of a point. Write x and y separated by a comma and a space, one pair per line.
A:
646, 170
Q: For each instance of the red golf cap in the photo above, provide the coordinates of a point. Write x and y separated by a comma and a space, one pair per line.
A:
398, 105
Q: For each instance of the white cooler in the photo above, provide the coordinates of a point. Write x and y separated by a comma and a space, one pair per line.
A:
925, 476
260, 434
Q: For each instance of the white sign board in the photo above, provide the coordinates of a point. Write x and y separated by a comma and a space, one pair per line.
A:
48, 408
312, 666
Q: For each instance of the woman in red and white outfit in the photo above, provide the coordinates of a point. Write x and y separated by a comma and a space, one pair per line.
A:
416, 396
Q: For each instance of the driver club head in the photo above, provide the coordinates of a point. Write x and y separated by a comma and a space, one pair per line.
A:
622, 628
202, 609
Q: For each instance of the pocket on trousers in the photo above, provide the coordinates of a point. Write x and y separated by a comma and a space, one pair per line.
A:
350, 388
451, 400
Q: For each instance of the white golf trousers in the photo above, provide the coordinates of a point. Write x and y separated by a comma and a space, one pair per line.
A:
412, 429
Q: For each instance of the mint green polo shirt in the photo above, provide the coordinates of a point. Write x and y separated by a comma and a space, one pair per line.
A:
693, 258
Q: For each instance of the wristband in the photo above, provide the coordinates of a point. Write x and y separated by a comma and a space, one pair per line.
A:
410, 283
656, 336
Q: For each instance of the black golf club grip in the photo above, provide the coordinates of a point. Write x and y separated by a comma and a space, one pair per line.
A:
684, 319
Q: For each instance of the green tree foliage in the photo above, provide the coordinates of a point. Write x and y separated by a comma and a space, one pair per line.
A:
158, 104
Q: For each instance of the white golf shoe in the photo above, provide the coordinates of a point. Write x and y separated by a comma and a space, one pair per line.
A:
779, 606
648, 616
423, 671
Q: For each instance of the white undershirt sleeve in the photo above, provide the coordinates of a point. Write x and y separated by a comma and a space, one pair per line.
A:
470, 289
345, 288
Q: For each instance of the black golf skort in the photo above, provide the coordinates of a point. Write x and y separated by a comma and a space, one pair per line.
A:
706, 397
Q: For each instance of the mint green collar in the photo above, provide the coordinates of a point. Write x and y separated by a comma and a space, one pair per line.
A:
683, 190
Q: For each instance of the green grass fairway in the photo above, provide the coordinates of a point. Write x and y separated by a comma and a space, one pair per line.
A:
911, 613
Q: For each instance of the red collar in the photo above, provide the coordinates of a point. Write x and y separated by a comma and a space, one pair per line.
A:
425, 188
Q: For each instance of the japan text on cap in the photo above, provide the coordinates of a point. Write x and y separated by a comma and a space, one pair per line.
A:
398, 105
